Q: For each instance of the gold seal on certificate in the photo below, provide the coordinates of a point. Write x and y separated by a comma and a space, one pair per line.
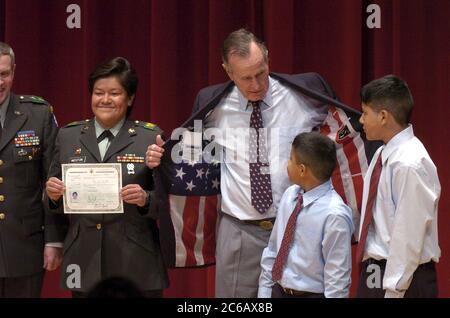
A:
92, 188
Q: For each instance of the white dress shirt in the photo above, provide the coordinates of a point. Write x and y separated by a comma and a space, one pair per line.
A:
285, 113
404, 229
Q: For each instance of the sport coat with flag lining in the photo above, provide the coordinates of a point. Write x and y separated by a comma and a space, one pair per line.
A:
188, 218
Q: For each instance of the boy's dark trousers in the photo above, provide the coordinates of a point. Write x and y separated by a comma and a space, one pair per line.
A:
423, 284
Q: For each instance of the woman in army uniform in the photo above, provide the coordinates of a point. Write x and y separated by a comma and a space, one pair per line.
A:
106, 245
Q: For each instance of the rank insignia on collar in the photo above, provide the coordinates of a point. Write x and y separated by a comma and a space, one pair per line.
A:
131, 131
149, 125
37, 99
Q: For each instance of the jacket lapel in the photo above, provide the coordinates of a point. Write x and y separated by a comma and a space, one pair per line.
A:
210, 103
204, 108
15, 119
89, 139
121, 141
302, 88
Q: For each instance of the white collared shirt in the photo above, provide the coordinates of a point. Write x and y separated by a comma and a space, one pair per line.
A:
404, 229
285, 114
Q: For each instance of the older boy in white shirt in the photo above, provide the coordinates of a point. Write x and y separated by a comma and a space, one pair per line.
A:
398, 228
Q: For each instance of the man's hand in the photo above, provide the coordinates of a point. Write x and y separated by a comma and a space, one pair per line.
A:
154, 153
134, 194
54, 188
52, 257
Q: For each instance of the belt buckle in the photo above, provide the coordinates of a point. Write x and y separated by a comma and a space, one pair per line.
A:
288, 291
266, 225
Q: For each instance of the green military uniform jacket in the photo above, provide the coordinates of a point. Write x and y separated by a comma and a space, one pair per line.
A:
105, 245
26, 148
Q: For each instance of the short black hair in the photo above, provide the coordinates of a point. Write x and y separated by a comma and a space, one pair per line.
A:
120, 68
316, 151
392, 94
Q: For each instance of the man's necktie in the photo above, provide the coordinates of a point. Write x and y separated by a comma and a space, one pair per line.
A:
105, 134
288, 237
368, 217
260, 185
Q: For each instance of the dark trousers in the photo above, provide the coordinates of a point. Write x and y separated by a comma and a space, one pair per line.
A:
21, 287
423, 284
278, 292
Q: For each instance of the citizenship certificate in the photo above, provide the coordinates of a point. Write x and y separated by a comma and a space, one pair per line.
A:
92, 188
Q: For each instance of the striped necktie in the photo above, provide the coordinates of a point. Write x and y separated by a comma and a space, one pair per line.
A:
286, 243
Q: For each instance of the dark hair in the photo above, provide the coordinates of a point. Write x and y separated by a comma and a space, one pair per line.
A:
120, 68
238, 42
392, 94
115, 287
316, 151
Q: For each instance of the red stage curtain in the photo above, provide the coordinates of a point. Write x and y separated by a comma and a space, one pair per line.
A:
175, 47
